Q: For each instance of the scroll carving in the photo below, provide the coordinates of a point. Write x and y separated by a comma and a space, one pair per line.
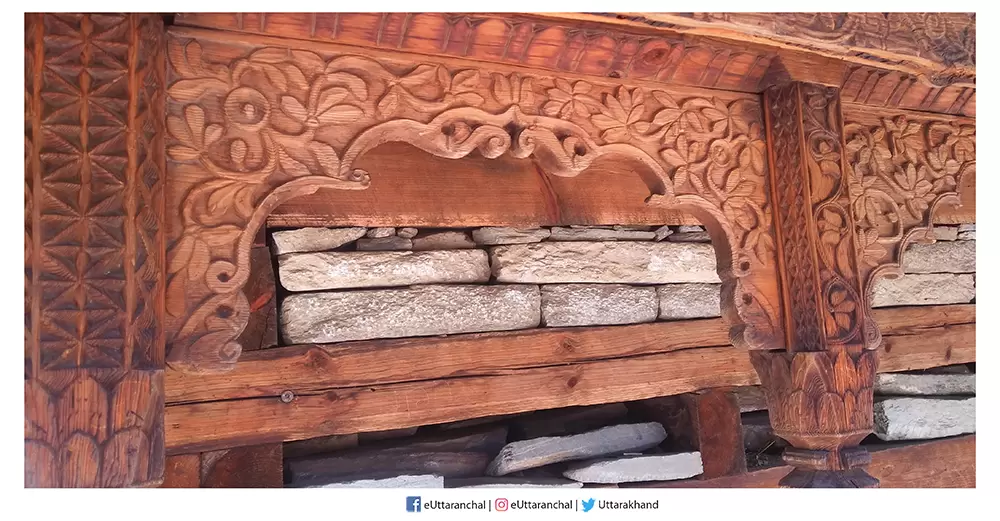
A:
249, 128
94, 284
901, 169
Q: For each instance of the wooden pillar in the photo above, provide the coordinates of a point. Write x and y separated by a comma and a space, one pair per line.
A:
93, 250
706, 421
819, 390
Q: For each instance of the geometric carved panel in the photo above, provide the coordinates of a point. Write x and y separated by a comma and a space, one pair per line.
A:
94, 270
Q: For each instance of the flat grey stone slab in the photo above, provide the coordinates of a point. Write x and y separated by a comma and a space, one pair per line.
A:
920, 289
700, 236
314, 239
502, 235
379, 233
421, 481
503, 482
924, 418
597, 304
390, 243
616, 439
449, 240
599, 234
684, 301
604, 262
925, 384
417, 311
406, 233
940, 257
352, 269
629, 469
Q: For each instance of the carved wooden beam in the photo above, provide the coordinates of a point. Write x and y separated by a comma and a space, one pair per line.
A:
938, 46
850, 198
93, 251
254, 121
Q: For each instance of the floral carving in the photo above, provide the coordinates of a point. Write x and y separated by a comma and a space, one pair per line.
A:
251, 131
900, 170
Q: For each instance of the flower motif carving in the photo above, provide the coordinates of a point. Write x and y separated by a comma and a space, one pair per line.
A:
251, 131
900, 169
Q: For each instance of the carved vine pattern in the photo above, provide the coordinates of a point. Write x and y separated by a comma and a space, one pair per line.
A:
901, 169
245, 134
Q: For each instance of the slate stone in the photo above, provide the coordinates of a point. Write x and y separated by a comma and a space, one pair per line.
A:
940, 257
449, 240
604, 262
629, 469
599, 234
418, 311
351, 269
917, 289
314, 239
597, 304
617, 439
502, 235
924, 418
392, 243
685, 301
925, 384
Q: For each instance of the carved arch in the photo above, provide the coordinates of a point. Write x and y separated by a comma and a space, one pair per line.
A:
252, 127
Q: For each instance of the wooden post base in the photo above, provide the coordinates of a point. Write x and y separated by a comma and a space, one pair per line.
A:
821, 403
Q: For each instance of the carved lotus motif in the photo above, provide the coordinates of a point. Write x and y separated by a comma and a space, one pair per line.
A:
819, 399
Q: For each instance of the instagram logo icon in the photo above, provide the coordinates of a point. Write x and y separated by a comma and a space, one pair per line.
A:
501, 504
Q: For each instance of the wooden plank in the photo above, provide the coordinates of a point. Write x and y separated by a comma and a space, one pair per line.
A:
412, 188
182, 471
599, 47
707, 421
312, 367
440, 381
257, 466
350, 364
944, 463
199, 426
262, 326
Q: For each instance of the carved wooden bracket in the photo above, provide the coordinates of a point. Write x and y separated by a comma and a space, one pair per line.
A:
250, 127
852, 197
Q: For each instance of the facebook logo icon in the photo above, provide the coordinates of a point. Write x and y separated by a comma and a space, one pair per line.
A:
413, 503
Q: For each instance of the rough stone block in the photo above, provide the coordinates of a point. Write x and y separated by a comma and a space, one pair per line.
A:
351, 269
944, 233
599, 234
417, 311
967, 236
924, 289
925, 384
629, 469
380, 233
617, 439
450, 240
605, 262
502, 235
407, 233
384, 244
314, 239
684, 301
941, 257
924, 418
597, 304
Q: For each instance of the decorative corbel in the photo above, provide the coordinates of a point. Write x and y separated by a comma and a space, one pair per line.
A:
853, 188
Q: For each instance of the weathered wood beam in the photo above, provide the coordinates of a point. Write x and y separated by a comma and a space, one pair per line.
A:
913, 333
944, 463
256, 466
370, 386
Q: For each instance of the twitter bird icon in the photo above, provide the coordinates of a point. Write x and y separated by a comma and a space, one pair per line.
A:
588, 504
